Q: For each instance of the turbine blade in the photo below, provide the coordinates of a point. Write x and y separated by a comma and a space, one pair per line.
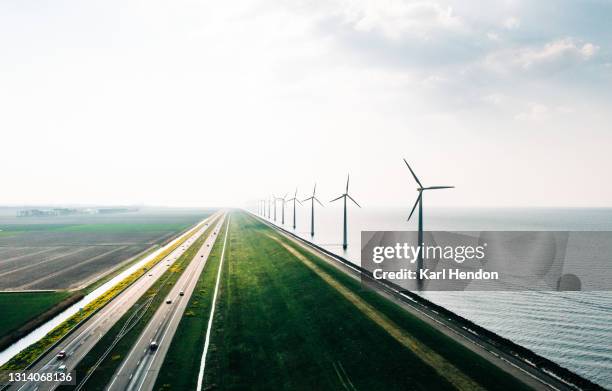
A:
316, 199
351, 198
295, 195
307, 199
298, 201
336, 199
413, 174
347, 182
314, 190
439, 187
415, 205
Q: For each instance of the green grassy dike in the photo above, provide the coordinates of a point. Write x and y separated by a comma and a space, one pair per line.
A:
157, 293
34, 351
279, 325
182, 363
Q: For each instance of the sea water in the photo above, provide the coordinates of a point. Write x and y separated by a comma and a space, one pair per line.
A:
573, 329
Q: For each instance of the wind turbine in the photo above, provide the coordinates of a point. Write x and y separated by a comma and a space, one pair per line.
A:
419, 202
312, 200
294, 199
269, 209
345, 196
282, 200
274, 200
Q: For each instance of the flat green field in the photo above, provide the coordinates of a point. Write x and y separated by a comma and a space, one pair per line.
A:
287, 320
18, 308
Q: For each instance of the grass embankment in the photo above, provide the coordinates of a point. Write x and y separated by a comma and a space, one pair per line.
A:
31, 353
149, 303
288, 320
182, 363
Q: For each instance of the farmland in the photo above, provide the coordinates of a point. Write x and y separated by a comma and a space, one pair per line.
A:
70, 252
19, 307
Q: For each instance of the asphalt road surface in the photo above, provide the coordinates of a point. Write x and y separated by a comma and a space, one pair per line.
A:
139, 369
82, 340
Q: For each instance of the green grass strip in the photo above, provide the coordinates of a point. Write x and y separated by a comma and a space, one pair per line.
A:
279, 325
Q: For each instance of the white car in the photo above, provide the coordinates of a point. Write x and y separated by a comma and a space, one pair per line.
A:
61, 368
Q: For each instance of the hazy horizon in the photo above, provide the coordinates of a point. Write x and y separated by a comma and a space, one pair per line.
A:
188, 104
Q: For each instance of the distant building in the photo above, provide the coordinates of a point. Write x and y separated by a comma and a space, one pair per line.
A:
71, 211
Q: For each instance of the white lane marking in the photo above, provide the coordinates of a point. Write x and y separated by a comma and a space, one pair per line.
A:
212, 311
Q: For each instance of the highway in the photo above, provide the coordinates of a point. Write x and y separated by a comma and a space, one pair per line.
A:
139, 369
78, 343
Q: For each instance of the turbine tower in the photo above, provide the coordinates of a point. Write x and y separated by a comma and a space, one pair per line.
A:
269, 209
312, 201
274, 200
345, 196
294, 199
282, 200
419, 202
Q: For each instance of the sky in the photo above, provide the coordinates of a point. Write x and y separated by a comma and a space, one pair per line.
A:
216, 103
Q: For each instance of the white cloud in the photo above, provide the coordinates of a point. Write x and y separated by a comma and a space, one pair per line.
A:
493, 36
397, 18
512, 23
554, 55
535, 112
494, 99
539, 112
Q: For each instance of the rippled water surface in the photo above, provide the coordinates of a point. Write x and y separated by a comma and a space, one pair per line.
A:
573, 329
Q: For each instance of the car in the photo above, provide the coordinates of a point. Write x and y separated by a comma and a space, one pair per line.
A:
201, 256
62, 368
181, 293
207, 244
150, 274
61, 355
168, 301
153, 346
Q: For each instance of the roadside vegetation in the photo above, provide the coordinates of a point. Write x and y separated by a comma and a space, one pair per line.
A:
27, 356
182, 363
144, 309
288, 320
